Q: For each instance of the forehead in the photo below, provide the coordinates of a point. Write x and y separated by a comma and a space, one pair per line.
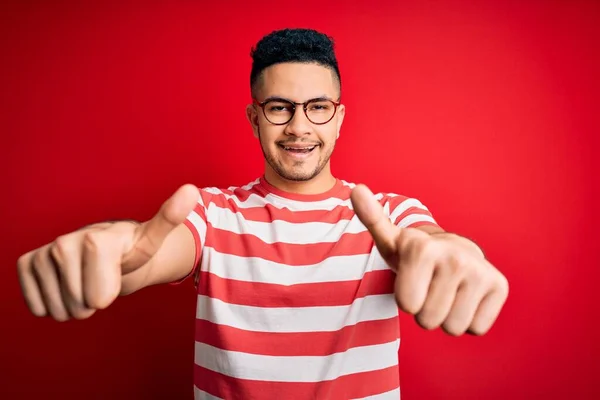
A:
298, 81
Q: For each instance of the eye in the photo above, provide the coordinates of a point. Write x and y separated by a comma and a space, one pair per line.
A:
278, 107
320, 106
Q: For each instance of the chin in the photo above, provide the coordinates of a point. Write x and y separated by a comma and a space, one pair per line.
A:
293, 170
295, 175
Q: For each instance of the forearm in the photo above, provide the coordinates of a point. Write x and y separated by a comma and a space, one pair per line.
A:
173, 262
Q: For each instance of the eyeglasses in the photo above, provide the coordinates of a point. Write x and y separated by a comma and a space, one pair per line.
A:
280, 111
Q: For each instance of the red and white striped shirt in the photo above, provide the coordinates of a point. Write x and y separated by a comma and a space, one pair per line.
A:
294, 300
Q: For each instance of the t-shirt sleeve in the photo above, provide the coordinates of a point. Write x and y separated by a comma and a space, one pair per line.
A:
196, 222
406, 212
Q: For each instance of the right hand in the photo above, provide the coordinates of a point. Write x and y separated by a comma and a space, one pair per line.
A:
82, 271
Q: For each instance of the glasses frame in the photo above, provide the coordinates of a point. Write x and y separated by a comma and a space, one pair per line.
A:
304, 105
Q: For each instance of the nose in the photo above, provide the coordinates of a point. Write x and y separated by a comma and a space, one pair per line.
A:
299, 125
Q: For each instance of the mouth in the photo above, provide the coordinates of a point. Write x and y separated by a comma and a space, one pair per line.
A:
298, 150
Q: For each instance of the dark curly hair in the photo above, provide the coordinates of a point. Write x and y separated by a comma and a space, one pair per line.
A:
293, 45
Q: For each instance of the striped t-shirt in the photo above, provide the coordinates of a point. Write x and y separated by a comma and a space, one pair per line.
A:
294, 300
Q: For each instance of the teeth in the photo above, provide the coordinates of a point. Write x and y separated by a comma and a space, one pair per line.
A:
299, 148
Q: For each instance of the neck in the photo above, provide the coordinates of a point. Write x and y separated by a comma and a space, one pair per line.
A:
321, 183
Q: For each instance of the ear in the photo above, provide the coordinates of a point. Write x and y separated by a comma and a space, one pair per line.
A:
341, 113
252, 116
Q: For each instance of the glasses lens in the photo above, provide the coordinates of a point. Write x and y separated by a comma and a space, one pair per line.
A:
320, 111
279, 111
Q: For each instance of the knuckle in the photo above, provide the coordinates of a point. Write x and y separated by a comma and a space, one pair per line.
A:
427, 320
457, 265
58, 311
456, 261
454, 328
56, 256
478, 329
503, 285
74, 300
81, 313
407, 305
92, 241
480, 326
37, 307
23, 263
478, 277
39, 261
99, 302
101, 298
38, 311
61, 316
70, 289
61, 246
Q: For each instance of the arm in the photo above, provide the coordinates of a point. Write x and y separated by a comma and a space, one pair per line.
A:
173, 262
179, 254
441, 278
86, 270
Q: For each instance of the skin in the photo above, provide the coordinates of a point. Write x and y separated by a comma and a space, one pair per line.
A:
443, 279
299, 83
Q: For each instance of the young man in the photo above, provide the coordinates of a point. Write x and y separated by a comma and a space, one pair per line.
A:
299, 274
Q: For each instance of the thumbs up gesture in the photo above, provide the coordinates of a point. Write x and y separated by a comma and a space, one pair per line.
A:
83, 271
441, 279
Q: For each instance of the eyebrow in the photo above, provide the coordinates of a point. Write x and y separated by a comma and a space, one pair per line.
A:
271, 98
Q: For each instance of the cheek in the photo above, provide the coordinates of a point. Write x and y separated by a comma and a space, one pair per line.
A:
269, 134
328, 135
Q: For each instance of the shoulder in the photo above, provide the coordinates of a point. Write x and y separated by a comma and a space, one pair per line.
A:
402, 209
228, 194
389, 200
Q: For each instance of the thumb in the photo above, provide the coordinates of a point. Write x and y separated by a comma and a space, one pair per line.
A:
371, 214
151, 234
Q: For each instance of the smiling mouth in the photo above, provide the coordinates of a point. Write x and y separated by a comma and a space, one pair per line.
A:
298, 150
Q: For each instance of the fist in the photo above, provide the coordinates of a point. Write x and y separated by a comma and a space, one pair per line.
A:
441, 279
82, 271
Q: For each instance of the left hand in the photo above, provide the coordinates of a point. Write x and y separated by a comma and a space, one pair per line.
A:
441, 279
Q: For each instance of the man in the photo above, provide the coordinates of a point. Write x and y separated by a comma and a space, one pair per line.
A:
299, 274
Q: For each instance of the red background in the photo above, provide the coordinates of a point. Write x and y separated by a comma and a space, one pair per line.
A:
487, 113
